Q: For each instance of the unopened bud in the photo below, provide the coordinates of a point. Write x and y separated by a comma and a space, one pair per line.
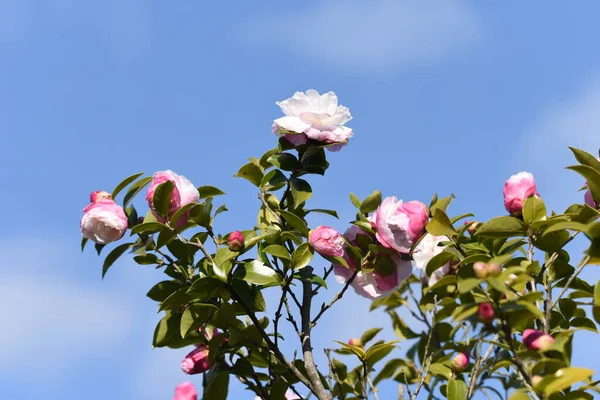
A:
354, 342
472, 226
460, 362
480, 269
535, 380
235, 241
537, 340
494, 270
486, 312
197, 361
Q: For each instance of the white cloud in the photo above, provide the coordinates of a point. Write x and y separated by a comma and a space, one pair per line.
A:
369, 35
573, 121
43, 311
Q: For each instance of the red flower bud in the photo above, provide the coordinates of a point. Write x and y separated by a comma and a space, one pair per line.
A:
354, 342
460, 362
236, 241
537, 340
486, 312
472, 226
196, 362
99, 195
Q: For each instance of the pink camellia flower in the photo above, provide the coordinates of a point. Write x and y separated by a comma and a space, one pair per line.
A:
399, 224
186, 391
314, 116
460, 362
103, 220
184, 192
486, 312
537, 340
428, 248
516, 190
354, 342
235, 241
589, 200
196, 362
326, 241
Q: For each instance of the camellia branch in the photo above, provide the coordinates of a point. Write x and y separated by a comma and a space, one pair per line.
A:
337, 297
570, 281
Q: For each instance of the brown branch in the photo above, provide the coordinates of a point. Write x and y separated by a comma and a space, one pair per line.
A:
337, 297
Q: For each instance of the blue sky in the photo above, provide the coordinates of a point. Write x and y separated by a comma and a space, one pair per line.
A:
449, 97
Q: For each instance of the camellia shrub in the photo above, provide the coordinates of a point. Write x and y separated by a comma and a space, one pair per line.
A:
497, 302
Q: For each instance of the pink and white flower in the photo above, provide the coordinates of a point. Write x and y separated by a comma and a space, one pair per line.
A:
186, 391
428, 248
399, 225
184, 192
314, 116
516, 190
103, 220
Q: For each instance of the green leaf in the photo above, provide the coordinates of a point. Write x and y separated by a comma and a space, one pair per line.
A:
567, 308
99, 247
534, 209
217, 385
294, 221
355, 200
147, 228
369, 335
371, 203
277, 251
441, 204
501, 227
114, 256
440, 224
135, 189
175, 218
302, 256
564, 378
592, 176
438, 261
260, 274
124, 183
209, 191
273, 180
379, 351
194, 316
586, 158
162, 198
284, 161
583, 323
301, 191
250, 172
567, 225
333, 213
83, 243
597, 294
358, 351
164, 289
457, 390
441, 370
388, 370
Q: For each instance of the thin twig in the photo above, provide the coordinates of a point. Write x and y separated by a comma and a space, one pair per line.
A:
334, 300
478, 364
571, 279
334, 375
428, 354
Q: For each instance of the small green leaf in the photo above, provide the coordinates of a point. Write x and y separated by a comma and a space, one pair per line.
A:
284, 161
147, 228
83, 243
379, 351
586, 158
302, 256
358, 351
567, 308
194, 316
457, 390
294, 220
369, 335
209, 191
251, 172
277, 251
564, 378
438, 261
114, 256
161, 201
371, 203
355, 200
124, 183
301, 191
333, 213
273, 180
135, 189
597, 294
592, 176
501, 227
260, 274
217, 384
534, 209
164, 289
440, 224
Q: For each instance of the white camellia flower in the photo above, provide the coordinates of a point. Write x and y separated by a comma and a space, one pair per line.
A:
314, 116
428, 248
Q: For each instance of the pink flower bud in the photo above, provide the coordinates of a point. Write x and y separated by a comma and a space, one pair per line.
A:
460, 362
480, 269
516, 190
186, 391
327, 241
184, 192
536, 340
236, 241
472, 226
99, 195
103, 221
486, 312
354, 342
196, 362
589, 200
494, 270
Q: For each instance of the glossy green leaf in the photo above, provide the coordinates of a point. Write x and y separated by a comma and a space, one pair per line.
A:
369, 335
564, 378
124, 183
147, 228
302, 256
209, 191
284, 161
333, 213
501, 227
114, 256
294, 221
456, 390
194, 316
534, 209
301, 191
277, 251
586, 158
164, 289
260, 274
217, 384
371, 202
355, 200
161, 201
440, 224
358, 351
250, 172
592, 176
